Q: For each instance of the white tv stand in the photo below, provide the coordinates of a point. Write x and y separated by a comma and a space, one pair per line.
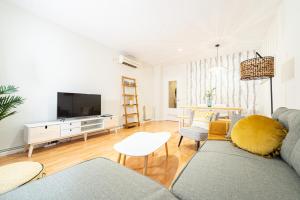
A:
39, 133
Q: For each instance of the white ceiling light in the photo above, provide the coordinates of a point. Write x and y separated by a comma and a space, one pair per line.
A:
218, 67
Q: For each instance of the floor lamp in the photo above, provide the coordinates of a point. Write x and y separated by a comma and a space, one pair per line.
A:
258, 68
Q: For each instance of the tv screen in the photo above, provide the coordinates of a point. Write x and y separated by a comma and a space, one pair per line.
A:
77, 105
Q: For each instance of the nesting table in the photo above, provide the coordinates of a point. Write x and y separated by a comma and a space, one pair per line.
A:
142, 144
19, 173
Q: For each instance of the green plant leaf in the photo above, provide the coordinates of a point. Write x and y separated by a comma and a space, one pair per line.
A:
8, 102
7, 115
8, 89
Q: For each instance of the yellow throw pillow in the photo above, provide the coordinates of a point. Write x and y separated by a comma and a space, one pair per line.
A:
258, 134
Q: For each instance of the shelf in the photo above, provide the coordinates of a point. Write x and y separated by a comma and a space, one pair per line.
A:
130, 114
131, 124
92, 130
130, 95
91, 127
128, 85
125, 77
87, 125
130, 105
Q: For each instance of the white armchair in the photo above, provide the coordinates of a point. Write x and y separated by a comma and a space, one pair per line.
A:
198, 129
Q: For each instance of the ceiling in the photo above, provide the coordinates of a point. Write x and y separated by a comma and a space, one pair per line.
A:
162, 32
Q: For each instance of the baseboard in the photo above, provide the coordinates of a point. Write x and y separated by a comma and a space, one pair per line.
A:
9, 151
146, 121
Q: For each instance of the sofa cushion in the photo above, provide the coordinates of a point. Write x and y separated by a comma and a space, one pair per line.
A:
285, 116
234, 119
225, 147
278, 112
213, 175
295, 157
95, 179
291, 120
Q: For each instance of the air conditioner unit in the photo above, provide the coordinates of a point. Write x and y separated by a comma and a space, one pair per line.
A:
128, 61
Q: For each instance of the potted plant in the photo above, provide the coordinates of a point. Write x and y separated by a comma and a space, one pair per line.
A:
209, 96
8, 102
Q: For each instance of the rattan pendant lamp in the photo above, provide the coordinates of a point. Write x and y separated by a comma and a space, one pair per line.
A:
259, 68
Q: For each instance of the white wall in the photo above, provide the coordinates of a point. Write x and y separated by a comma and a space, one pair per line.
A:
42, 58
157, 92
172, 73
283, 42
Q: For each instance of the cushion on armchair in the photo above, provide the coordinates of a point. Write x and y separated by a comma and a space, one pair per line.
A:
202, 119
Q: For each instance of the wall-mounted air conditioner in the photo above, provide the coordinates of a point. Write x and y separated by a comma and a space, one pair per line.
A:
128, 61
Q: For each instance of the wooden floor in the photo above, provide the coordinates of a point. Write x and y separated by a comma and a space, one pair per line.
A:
71, 153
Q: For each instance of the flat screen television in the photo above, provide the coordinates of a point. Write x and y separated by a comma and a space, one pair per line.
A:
78, 105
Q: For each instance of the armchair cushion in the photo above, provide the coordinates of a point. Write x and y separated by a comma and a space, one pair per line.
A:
195, 133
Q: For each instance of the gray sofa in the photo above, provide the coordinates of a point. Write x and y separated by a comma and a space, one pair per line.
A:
94, 179
217, 171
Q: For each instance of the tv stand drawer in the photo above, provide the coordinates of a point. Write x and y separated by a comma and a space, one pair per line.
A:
69, 132
70, 125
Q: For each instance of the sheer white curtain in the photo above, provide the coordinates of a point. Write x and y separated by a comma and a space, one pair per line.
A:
222, 73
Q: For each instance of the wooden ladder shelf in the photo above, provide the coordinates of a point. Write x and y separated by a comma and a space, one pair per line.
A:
130, 101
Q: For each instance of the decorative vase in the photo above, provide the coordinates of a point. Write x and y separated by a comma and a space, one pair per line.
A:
209, 102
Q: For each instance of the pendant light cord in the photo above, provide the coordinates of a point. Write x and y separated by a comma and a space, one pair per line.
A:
217, 46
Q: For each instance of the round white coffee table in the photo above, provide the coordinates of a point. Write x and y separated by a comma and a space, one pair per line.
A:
142, 144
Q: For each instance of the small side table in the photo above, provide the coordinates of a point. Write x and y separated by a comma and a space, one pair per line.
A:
19, 173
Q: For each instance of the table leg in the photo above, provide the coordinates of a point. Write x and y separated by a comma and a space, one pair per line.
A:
119, 157
152, 153
26, 147
30, 150
85, 136
167, 152
145, 165
124, 159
